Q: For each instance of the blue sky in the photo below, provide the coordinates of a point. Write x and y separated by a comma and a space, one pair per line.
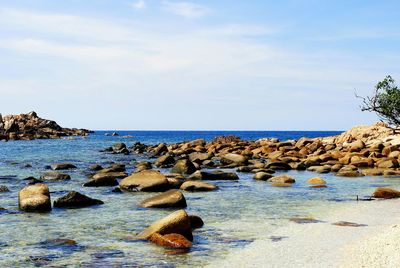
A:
150, 64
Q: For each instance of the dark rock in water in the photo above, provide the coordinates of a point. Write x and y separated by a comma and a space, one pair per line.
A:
27, 166
58, 242
32, 180
348, 224
8, 177
118, 146
95, 167
262, 176
196, 222
278, 165
106, 180
4, 189
55, 176
76, 200
304, 220
146, 181
216, 175
35, 198
103, 254
62, 166
114, 134
277, 238
113, 168
170, 198
116, 190
198, 186
160, 149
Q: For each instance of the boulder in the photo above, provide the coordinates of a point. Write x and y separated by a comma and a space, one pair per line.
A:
262, 176
320, 169
76, 200
95, 167
35, 198
160, 149
216, 175
170, 198
196, 222
282, 179
348, 171
118, 146
387, 163
143, 165
55, 176
105, 179
278, 165
183, 166
147, 181
177, 222
386, 193
62, 166
232, 158
373, 172
356, 146
316, 180
164, 160
198, 186
199, 157
175, 241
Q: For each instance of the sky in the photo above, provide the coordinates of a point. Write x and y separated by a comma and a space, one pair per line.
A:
196, 65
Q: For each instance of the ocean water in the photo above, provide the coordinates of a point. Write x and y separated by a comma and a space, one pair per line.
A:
235, 215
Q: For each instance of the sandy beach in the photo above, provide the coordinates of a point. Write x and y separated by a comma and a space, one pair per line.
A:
325, 245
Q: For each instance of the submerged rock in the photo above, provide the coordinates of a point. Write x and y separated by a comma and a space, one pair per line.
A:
147, 181
198, 186
216, 175
4, 189
62, 166
76, 200
282, 179
175, 241
170, 198
348, 224
55, 176
177, 222
35, 198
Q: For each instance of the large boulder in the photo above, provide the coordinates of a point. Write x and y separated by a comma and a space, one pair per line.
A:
232, 158
175, 241
278, 165
147, 181
198, 186
282, 179
35, 198
183, 166
168, 199
199, 157
62, 166
55, 176
386, 193
76, 200
216, 175
143, 165
177, 222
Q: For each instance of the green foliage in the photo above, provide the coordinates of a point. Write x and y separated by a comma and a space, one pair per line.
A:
385, 101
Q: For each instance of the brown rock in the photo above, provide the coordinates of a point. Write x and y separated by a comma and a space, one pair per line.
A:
168, 199
35, 198
316, 180
76, 200
282, 179
183, 166
175, 241
198, 186
263, 176
386, 193
147, 181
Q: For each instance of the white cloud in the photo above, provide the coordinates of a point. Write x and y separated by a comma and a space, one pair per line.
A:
187, 9
140, 4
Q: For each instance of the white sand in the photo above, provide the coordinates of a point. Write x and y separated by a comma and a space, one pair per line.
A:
327, 245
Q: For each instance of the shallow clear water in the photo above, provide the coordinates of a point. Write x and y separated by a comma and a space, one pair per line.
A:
235, 215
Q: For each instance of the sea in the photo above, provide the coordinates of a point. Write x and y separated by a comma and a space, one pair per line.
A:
237, 214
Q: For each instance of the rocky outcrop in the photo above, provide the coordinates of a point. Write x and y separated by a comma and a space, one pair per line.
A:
76, 200
35, 198
30, 126
386, 193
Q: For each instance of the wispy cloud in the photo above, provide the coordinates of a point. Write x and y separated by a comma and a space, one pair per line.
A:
187, 9
140, 4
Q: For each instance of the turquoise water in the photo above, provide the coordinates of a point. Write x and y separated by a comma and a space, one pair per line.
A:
235, 215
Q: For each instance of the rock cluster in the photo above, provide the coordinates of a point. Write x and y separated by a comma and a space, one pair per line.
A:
30, 126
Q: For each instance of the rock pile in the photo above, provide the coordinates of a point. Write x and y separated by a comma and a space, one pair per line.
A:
30, 126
